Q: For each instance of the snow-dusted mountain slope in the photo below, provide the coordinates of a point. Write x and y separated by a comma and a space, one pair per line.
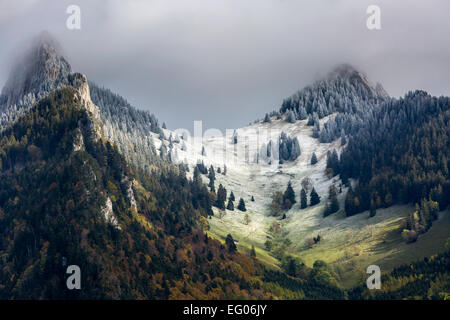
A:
254, 171
344, 89
37, 72
248, 178
350, 244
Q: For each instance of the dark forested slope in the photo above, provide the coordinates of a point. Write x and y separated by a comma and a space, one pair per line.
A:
66, 196
401, 155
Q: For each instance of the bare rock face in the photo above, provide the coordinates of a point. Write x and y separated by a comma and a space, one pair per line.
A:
78, 142
108, 213
80, 83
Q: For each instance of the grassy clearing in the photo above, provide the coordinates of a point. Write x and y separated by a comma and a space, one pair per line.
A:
350, 250
247, 235
350, 244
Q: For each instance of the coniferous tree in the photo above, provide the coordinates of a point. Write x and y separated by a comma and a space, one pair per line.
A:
241, 205
303, 199
267, 118
212, 178
196, 177
333, 162
230, 243
288, 148
231, 196
290, 117
295, 149
202, 168
221, 197
230, 205
314, 197
352, 203
333, 205
288, 197
313, 120
313, 159
302, 114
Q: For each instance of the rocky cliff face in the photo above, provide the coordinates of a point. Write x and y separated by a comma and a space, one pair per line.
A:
80, 83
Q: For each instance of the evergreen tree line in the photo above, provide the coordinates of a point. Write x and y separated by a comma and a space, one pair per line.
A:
283, 201
285, 149
130, 128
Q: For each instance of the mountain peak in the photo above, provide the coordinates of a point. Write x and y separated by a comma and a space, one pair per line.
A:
344, 89
41, 69
48, 42
347, 72
344, 70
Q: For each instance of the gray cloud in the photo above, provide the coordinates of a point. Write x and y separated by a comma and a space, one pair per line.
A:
227, 62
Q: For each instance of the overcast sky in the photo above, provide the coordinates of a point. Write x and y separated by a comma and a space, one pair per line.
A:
228, 62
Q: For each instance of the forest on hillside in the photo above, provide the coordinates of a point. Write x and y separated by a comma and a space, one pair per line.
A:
150, 245
400, 155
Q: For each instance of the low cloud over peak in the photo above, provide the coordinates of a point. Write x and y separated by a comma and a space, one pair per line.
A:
227, 62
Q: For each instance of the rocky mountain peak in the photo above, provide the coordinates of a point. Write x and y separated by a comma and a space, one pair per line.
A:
41, 69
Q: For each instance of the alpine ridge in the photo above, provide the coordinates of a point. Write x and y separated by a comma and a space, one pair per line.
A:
37, 72
69, 196
293, 206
